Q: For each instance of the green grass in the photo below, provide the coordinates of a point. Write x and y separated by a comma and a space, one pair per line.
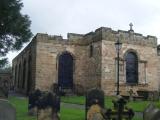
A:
137, 118
72, 114
137, 106
73, 99
21, 106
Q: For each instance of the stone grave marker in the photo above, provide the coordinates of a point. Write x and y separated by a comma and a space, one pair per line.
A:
7, 111
33, 99
4, 90
94, 104
48, 107
151, 113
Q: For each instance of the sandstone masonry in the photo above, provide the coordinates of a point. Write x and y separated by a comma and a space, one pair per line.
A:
94, 61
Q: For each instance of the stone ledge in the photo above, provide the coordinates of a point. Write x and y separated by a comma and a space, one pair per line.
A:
139, 85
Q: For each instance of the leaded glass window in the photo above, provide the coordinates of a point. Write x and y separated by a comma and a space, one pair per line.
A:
131, 68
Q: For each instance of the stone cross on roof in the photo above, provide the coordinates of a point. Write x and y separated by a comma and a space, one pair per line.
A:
131, 25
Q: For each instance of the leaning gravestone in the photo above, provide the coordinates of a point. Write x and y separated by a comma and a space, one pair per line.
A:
7, 111
94, 95
151, 113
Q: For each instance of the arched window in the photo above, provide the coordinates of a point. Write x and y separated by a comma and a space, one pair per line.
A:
131, 68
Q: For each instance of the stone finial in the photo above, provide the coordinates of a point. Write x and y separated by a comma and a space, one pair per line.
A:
131, 25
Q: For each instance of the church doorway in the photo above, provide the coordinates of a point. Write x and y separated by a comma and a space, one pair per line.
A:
65, 71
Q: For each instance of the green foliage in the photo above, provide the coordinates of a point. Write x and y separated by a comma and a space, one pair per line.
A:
3, 62
14, 26
5, 69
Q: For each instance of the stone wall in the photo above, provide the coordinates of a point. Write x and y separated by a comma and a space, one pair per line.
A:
147, 65
23, 69
94, 59
86, 68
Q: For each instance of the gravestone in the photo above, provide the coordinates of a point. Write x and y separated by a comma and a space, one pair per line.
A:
7, 111
151, 113
33, 99
48, 106
95, 100
4, 89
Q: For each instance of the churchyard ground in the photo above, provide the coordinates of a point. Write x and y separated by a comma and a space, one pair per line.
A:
21, 105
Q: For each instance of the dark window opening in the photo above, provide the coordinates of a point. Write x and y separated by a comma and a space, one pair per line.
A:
131, 68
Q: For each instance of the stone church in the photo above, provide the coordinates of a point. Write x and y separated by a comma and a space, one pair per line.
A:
84, 61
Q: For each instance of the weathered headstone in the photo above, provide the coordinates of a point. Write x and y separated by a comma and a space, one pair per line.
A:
95, 112
94, 102
151, 113
33, 99
7, 111
48, 106
4, 90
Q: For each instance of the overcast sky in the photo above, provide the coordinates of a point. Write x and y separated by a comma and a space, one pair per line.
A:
59, 17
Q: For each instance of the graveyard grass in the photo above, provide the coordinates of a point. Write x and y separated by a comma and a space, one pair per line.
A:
21, 105
138, 106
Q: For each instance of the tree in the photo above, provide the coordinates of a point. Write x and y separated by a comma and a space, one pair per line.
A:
14, 28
